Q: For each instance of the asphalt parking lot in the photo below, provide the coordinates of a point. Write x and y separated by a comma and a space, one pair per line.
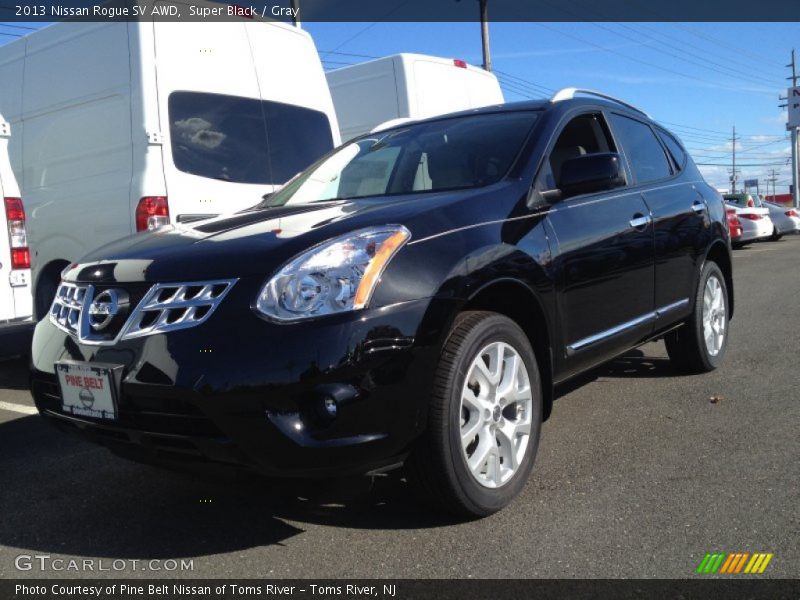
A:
639, 474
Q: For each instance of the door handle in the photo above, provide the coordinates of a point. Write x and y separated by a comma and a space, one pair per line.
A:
698, 207
640, 221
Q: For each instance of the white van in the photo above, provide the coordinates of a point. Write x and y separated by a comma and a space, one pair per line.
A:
16, 324
121, 127
407, 87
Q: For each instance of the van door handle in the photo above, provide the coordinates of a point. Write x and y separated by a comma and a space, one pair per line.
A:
640, 221
698, 207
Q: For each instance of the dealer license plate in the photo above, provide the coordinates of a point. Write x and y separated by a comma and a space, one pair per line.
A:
89, 389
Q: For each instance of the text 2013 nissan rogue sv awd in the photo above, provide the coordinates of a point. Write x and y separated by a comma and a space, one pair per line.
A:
412, 297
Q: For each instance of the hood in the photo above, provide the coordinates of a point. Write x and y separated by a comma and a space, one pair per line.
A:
259, 241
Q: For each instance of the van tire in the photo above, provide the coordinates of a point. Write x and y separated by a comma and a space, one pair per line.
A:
46, 290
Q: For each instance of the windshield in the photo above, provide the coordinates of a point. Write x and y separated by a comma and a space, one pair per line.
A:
457, 153
244, 140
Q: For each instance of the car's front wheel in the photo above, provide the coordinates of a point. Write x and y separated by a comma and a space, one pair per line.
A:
484, 420
699, 345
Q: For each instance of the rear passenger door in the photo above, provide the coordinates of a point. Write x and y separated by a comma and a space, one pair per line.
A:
678, 211
602, 245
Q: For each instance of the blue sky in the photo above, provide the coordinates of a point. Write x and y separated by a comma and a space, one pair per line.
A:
699, 79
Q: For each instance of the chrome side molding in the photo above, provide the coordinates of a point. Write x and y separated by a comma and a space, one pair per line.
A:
623, 327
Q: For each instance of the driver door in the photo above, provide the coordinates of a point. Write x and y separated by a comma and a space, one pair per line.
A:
603, 248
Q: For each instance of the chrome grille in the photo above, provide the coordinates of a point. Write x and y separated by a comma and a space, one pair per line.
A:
68, 306
165, 307
168, 307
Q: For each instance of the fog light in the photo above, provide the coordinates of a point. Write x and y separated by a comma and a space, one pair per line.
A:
329, 406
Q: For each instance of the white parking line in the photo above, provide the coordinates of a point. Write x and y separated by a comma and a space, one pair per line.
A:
18, 408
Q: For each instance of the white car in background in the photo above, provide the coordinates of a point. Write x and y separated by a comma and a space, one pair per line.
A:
785, 219
754, 216
16, 324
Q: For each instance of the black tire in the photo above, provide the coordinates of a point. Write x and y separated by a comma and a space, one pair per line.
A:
46, 291
775, 235
438, 464
686, 346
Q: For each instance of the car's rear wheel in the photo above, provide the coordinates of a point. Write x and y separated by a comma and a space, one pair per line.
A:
775, 235
700, 344
484, 420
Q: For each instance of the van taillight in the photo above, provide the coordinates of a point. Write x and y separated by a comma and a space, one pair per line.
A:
17, 236
462, 64
152, 212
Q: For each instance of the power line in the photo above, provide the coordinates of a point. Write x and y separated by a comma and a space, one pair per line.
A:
518, 88
757, 62
738, 48
352, 54
627, 57
736, 73
727, 72
370, 26
525, 82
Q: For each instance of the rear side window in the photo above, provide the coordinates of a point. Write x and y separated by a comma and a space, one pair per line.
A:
675, 149
244, 140
644, 152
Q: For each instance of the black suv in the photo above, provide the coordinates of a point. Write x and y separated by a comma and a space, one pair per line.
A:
413, 297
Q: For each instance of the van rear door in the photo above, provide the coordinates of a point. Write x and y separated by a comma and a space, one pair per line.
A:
15, 280
443, 86
235, 126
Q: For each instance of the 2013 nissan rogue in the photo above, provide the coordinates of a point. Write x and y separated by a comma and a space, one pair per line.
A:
412, 297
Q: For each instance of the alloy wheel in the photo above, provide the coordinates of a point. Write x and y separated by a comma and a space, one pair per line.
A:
714, 316
496, 407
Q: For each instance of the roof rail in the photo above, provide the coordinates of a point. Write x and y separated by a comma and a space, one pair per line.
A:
569, 93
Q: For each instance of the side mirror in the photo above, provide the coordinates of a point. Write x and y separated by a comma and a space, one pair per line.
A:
591, 173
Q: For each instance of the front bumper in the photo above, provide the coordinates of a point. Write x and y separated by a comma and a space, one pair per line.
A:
241, 390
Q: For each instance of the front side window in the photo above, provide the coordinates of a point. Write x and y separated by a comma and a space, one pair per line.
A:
446, 154
582, 135
644, 152
244, 140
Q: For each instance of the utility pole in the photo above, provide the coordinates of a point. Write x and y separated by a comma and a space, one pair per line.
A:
296, 13
487, 59
734, 139
795, 191
773, 178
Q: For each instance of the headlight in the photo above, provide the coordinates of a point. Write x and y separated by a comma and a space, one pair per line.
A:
336, 276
